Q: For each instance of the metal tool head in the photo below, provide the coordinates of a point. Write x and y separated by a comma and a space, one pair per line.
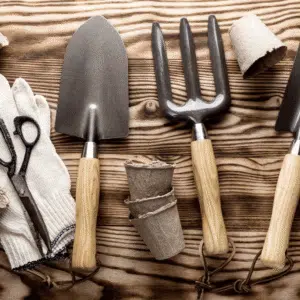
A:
289, 114
195, 109
93, 99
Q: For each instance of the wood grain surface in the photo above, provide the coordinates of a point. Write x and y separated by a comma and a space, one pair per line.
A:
130, 272
248, 151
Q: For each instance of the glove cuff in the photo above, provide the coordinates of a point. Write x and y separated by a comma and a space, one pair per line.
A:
20, 248
58, 212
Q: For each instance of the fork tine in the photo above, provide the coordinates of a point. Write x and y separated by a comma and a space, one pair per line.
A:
217, 55
161, 68
189, 59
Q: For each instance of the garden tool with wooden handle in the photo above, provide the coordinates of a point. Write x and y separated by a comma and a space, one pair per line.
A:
93, 105
197, 110
288, 186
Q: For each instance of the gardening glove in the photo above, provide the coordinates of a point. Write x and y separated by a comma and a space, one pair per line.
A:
47, 179
3, 201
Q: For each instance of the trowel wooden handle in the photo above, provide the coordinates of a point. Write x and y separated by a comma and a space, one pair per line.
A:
207, 183
87, 202
285, 202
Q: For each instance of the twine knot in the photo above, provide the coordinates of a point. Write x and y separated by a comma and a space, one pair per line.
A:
240, 286
202, 285
47, 281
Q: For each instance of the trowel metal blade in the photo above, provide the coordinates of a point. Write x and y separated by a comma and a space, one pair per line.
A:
93, 100
289, 114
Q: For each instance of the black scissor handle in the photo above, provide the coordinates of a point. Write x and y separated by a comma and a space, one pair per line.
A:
19, 122
10, 165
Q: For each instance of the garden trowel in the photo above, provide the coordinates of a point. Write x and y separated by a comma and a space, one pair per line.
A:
93, 105
288, 186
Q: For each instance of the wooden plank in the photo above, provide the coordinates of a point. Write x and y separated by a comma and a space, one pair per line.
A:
248, 150
245, 185
130, 272
42, 28
247, 130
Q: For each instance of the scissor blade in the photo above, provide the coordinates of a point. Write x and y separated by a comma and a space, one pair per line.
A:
32, 209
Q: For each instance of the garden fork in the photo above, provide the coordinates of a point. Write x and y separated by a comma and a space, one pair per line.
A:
197, 110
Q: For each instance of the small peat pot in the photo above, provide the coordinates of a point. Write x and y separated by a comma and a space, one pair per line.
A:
161, 231
149, 180
256, 47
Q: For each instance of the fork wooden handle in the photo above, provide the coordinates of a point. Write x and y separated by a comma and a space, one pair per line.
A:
207, 183
87, 202
285, 202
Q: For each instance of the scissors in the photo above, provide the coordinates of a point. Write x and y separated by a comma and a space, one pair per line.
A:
19, 180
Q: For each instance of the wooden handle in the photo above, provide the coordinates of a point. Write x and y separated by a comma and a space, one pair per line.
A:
87, 203
285, 202
206, 178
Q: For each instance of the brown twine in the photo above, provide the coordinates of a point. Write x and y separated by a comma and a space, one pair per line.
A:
63, 284
239, 286
204, 283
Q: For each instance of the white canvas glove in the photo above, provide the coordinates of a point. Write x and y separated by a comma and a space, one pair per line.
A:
47, 178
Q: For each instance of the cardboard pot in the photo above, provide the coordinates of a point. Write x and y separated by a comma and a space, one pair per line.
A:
161, 231
255, 45
149, 180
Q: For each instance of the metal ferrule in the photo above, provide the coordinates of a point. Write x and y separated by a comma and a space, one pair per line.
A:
295, 147
90, 150
199, 132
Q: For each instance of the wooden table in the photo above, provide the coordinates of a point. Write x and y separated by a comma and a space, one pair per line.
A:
249, 152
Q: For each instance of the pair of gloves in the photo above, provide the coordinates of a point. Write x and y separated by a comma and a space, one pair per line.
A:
47, 178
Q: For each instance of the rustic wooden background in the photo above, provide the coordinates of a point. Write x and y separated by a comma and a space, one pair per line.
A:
249, 152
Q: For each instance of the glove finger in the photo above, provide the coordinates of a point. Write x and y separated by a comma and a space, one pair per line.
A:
44, 114
24, 99
7, 103
8, 111
26, 106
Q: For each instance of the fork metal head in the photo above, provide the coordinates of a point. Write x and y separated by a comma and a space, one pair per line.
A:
195, 109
